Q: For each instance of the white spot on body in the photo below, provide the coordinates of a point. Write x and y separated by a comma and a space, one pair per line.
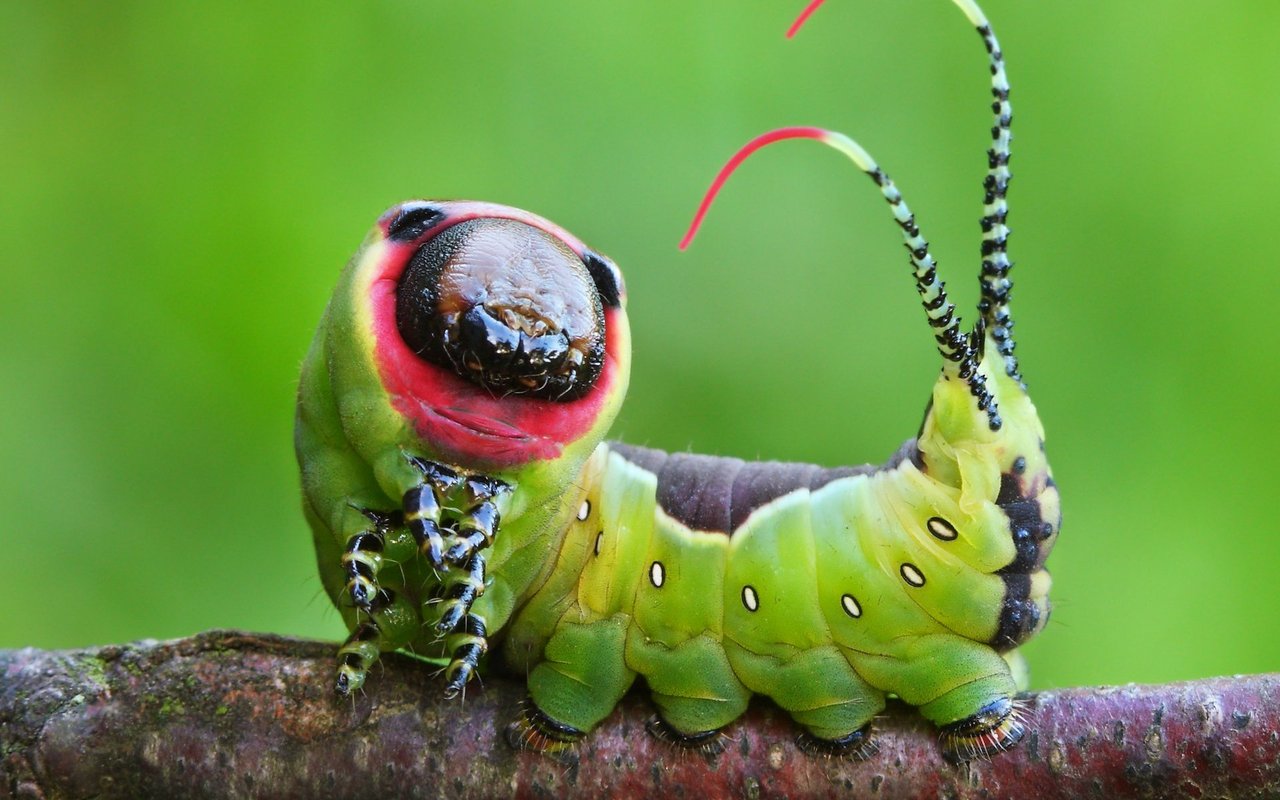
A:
599, 539
657, 574
912, 575
749, 598
584, 511
942, 529
851, 606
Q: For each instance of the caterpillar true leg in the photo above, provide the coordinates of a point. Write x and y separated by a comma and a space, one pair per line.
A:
464, 580
356, 655
423, 507
458, 591
391, 624
362, 559
462, 565
478, 523
467, 643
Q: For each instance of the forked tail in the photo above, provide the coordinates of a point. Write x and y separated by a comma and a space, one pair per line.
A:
993, 305
961, 353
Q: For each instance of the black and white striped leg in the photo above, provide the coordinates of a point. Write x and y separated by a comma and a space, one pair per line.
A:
424, 505
390, 624
478, 523
459, 590
468, 644
362, 559
356, 655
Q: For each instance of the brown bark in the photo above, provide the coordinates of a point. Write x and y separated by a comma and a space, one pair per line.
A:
230, 714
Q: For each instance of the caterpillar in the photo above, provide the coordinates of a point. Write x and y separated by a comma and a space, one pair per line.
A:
450, 424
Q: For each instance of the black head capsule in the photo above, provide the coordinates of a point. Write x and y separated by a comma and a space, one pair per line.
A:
507, 306
480, 333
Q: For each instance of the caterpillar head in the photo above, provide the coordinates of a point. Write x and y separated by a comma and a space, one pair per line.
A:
507, 306
979, 414
497, 337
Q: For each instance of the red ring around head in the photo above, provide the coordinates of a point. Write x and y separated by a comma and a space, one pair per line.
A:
455, 417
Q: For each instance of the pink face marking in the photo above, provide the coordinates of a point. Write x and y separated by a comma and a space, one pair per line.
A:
466, 421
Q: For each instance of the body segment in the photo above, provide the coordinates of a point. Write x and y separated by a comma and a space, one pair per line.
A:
824, 589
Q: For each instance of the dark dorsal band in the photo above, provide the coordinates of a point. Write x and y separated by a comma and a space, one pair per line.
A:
716, 494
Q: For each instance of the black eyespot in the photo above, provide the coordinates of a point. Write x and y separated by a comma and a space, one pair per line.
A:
606, 276
412, 222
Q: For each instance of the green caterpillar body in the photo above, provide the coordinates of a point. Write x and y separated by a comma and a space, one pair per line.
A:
821, 588
450, 422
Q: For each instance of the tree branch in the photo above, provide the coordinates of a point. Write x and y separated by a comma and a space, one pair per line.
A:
230, 714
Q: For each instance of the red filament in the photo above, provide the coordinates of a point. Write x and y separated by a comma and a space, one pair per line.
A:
804, 15
740, 156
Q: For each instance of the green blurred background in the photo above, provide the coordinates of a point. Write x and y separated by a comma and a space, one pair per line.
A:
182, 184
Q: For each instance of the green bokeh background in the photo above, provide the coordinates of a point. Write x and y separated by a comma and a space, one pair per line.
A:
182, 184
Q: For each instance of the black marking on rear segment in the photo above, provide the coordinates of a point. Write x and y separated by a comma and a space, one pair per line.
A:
1019, 615
1027, 526
715, 494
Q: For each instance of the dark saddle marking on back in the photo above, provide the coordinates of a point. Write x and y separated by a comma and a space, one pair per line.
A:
716, 494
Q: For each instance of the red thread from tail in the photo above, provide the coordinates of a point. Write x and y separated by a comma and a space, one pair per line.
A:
802, 132
804, 16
